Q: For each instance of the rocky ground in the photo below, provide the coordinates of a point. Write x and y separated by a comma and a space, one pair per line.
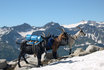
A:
12, 65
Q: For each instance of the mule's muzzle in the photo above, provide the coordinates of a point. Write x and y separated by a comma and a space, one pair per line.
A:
84, 34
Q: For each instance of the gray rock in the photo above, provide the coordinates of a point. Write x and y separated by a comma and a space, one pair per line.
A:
77, 51
12, 65
32, 63
3, 63
93, 48
83, 53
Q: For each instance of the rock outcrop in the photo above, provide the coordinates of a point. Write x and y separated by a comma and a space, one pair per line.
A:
93, 48
89, 49
3, 63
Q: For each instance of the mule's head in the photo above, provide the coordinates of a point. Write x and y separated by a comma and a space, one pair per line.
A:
64, 34
81, 32
45, 38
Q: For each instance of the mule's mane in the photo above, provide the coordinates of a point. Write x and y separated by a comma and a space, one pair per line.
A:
59, 38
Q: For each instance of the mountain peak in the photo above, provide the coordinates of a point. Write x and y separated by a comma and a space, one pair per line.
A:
22, 27
91, 22
25, 24
51, 24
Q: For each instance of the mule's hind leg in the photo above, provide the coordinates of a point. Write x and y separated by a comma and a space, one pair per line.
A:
19, 58
70, 51
25, 59
39, 60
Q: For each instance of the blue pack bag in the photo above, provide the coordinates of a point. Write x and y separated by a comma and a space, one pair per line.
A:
28, 37
39, 38
33, 38
30, 43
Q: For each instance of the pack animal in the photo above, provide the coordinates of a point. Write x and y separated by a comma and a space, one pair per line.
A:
71, 39
41, 48
56, 43
38, 50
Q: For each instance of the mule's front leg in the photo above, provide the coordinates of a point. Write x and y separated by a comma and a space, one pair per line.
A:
70, 50
39, 60
25, 59
54, 55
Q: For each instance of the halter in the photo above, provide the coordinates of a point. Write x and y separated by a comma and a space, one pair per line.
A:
73, 38
58, 39
76, 36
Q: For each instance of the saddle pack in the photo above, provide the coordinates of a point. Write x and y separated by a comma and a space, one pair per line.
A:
33, 39
50, 42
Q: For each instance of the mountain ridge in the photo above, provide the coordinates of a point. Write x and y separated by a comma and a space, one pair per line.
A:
94, 34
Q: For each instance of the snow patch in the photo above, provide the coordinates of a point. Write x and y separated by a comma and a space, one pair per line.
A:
6, 41
99, 41
92, 61
4, 31
100, 22
91, 24
53, 23
87, 43
41, 29
74, 25
23, 34
80, 45
92, 36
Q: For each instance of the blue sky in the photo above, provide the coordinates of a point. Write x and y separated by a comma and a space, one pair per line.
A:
40, 12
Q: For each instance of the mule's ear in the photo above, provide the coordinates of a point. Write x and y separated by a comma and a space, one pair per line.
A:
61, 29
43, 34
49, 36
79, 28
42, 37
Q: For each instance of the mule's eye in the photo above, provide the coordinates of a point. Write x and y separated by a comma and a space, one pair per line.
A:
81, 31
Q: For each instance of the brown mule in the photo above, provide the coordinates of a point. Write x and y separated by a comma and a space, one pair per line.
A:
57, 42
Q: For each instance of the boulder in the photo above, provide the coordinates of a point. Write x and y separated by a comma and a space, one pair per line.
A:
77, 52
11, 65
3, 63
83, 53
93, 48
101, 49
32, 63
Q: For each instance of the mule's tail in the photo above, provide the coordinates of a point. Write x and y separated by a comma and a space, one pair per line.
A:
18, 43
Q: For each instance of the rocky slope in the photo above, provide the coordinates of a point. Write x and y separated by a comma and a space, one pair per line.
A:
49, 61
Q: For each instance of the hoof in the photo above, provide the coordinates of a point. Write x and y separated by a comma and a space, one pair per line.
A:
19, 66
69, 53
55, 57
39, 65
27, 62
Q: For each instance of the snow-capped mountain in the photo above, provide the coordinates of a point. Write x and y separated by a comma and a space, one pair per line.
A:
94, 32
8, 35
74, 25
